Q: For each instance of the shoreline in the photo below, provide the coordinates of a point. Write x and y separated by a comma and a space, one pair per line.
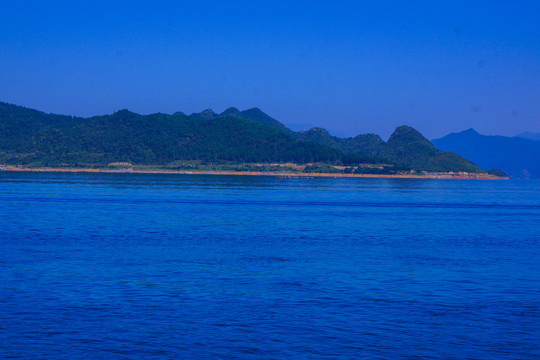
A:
290, 175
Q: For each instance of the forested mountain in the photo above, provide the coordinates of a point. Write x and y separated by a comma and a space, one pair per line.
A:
369, 144
409, 148
405, 147
32, 137
253, 114
518, 157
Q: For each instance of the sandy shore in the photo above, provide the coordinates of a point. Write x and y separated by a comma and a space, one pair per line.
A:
460, 175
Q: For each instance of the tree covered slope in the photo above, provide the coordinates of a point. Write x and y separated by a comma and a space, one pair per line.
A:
405, 147
32, 137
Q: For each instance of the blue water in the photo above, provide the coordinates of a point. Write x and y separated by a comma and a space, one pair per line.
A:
137, 266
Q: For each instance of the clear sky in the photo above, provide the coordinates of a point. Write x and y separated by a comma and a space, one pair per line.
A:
350, 66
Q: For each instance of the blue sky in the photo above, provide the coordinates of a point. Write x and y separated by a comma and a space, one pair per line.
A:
350, 66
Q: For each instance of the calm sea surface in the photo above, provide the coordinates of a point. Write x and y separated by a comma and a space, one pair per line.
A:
139, 266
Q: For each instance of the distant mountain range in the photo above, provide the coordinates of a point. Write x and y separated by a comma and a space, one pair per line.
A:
35, 138
517, 156
529, 135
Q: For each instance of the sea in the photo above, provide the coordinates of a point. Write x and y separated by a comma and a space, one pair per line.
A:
155, 266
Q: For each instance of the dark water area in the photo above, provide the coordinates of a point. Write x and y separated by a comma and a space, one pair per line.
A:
134, 266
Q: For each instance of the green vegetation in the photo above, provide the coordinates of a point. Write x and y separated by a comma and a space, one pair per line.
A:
231, 140
34, 138
322, 168
406, 148
497, 172
410, 149
367, 144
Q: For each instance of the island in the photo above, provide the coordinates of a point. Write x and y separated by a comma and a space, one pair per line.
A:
233, 142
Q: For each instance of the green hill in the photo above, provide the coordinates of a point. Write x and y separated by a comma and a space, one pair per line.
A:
410, 149
369, 144
257, 115
31, 137
406, 147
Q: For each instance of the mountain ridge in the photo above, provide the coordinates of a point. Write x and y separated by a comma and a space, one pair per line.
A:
236, 136
518, 157
529, 135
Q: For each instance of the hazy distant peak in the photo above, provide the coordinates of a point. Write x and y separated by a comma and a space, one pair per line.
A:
515, 156
465, 134
529, 135
470, 134
470, 131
